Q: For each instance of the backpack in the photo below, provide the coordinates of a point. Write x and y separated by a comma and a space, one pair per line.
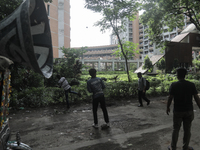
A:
147, 84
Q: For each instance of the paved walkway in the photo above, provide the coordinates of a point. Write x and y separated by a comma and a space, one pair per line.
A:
119, 138
132, 127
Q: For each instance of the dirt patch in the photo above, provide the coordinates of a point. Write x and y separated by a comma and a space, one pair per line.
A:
132, 127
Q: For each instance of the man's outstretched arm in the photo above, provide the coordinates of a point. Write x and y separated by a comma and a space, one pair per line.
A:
197, 99
169, 101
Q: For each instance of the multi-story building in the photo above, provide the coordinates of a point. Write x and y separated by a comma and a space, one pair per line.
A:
131, 33
102, 58
135, 32
99, 52
59, 18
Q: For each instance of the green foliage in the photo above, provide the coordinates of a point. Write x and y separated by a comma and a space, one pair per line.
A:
35, 97
161, 64
86, 72
70, 65
115, 13
196, 63
8, 6
175, 63
121, 89
148, 64
129, 50
154, 82
23, 78
42, 96
197, 84
158, 13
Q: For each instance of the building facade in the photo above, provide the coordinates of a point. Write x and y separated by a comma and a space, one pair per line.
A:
131, 34
135, 32
100, 52
59, 18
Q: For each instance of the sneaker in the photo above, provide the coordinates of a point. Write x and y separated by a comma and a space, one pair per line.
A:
190, 148
140, 105
95, 126
105, 126
148, 102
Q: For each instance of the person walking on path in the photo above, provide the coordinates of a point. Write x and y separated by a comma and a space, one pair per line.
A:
142, 90
67, 88
181, 93
95, 85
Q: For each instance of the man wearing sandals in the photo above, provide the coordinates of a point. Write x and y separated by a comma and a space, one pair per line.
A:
182, 93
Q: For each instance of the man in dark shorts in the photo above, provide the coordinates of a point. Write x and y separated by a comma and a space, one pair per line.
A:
182, 93
95, 85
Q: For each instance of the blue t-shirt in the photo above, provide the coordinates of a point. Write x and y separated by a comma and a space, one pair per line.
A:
183, 92
95, 86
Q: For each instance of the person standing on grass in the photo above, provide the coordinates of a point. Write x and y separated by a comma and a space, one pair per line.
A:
142, 90
95, 85
181, 93
67, 88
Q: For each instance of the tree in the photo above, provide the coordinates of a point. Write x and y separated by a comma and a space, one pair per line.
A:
161, 64
148, 64
129, 49
7, 7
196, 63
70, 65
171, 13
114, 14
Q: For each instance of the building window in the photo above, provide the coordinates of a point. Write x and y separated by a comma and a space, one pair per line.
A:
172, 35
166, 36
48, 10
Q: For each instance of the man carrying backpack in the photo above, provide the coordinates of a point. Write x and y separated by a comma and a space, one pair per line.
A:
142, 90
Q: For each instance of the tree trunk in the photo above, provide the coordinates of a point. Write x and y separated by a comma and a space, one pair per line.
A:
126, 60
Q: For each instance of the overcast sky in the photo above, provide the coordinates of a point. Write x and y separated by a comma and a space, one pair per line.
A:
83, 31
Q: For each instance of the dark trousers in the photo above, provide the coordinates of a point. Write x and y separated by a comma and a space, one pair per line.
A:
141, 95
66, 95
178, 118
95, 104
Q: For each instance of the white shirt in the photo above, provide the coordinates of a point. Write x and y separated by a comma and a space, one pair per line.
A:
63, 83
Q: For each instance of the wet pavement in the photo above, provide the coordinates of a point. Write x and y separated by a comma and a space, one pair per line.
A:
131, 127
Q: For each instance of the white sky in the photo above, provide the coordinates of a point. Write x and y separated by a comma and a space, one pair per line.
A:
83, 31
